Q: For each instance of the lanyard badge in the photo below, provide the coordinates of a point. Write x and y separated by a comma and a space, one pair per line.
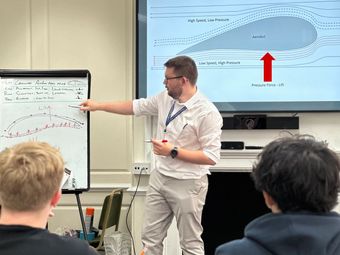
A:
171, 117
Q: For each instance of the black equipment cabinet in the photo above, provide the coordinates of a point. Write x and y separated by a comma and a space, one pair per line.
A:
232, 202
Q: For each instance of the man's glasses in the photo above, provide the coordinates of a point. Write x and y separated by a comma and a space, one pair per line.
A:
171, 78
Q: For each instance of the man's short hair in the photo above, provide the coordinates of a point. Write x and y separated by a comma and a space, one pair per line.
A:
299, 173
184, 66
30, 174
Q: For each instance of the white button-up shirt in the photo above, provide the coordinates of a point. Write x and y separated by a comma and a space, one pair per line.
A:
196, 128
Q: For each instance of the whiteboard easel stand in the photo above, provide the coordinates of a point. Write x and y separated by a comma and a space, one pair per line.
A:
82, 221
81, 214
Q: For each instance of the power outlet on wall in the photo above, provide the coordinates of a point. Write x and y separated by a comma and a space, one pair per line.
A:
141, 168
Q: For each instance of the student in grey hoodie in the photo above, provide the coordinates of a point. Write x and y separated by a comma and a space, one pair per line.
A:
299, 179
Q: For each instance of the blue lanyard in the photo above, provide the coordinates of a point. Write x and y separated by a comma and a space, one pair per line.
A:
172, 117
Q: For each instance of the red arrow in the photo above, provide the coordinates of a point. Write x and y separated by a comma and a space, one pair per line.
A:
267, 66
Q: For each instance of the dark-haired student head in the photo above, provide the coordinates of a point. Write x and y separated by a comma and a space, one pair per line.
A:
298, 174
299, 179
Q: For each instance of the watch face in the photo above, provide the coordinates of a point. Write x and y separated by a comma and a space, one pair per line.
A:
174, 152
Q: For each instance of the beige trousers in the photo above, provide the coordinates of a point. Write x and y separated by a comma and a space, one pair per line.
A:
168, 197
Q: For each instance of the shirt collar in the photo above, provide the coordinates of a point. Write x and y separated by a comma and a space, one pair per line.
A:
192, 101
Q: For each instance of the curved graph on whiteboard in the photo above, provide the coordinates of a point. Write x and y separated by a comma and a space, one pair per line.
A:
38, 123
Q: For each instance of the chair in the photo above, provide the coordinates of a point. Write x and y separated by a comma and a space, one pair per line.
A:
109, 216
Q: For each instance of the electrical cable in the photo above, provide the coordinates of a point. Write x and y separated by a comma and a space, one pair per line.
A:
128, 211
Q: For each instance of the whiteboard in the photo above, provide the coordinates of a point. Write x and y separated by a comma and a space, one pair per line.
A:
42, 106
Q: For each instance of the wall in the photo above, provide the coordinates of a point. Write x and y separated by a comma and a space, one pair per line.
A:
80, 34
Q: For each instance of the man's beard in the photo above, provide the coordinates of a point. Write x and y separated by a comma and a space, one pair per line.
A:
175, 93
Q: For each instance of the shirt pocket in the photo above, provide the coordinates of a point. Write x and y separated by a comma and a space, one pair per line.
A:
187, 135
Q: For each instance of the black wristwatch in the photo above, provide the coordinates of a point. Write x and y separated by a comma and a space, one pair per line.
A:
174, 152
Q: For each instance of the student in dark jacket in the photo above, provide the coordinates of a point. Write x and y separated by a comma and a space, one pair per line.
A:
299, 179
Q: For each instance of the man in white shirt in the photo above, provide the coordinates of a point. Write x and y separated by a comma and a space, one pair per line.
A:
187, 143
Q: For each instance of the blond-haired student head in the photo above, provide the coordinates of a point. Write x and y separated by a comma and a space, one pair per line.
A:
26, 169
30, 178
